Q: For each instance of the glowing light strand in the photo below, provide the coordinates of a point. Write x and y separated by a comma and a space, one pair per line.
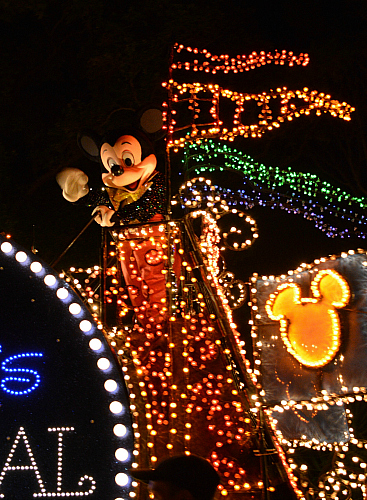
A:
195, 97
334, 211
211, 63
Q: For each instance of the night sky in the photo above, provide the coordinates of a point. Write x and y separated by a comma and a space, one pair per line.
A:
70, 65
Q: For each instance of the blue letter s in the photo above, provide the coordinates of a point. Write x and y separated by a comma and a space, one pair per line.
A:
23, 377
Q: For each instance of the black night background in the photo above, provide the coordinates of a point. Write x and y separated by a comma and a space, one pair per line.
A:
71, 65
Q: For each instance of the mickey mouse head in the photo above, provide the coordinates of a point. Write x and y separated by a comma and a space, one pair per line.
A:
133, 190
310, 327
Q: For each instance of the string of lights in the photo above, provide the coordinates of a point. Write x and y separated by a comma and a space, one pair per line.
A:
333, 210
196, 110
175, 399
203, 60
346, 459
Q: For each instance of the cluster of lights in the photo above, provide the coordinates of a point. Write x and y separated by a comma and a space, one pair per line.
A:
21, 435
25, 372
89, 291
193, 98
203, 60
210, 249
200, 193
229, 239
204, 102
235, 290
169, 404
103, 364
346, 476
34, 467
180, 374
334, 211
310, 327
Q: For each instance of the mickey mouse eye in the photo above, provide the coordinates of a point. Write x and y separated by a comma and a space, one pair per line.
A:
128, 158
111, 163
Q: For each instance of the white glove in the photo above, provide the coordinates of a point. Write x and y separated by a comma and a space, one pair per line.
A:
103, 216
74, 183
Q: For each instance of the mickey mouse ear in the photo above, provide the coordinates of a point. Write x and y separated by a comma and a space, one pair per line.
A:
89, 143
150, 121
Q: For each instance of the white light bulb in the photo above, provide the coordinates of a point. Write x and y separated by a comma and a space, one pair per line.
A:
74, 308
95, 344
110, 385
36, 267
116, 407
62, 293
49, 280
121, 454
103, 363
119, 430
121, 479
85, 325
21, 256
6, 247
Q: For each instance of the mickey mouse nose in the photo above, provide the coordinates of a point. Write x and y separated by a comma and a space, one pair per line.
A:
117, 170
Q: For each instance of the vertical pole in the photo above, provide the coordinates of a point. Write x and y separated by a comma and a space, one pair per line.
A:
169, 136
103, 269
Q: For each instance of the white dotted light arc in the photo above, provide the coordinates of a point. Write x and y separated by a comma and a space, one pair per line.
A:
116, 408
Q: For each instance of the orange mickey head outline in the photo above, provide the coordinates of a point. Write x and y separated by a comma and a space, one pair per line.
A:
310, 327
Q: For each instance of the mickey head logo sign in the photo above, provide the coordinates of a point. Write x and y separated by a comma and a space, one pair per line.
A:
310, 327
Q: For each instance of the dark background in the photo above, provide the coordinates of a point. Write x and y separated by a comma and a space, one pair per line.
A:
75, 64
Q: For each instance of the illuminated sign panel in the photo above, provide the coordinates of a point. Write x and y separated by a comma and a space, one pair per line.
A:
311, 330
65, 425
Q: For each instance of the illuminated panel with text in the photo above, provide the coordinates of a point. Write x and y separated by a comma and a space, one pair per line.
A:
65, 424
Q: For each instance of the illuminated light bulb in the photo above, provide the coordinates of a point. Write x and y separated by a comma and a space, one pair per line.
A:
75, 308
119, 430
6, 247
36, 267
116, 407
62, 293
110, 385
121, 454
49, 280
121, 479
103, 364
95, 344
85, 325
21, 257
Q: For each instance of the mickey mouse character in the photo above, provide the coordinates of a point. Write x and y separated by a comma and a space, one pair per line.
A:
133, 190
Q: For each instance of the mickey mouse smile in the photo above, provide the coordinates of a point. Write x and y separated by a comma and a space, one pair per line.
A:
133, 185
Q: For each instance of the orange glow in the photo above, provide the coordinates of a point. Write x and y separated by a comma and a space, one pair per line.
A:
310, 327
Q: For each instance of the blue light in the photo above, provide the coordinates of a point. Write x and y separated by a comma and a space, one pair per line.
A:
20, 371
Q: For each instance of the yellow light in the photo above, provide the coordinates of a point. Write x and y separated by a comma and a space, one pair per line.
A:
310, 327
